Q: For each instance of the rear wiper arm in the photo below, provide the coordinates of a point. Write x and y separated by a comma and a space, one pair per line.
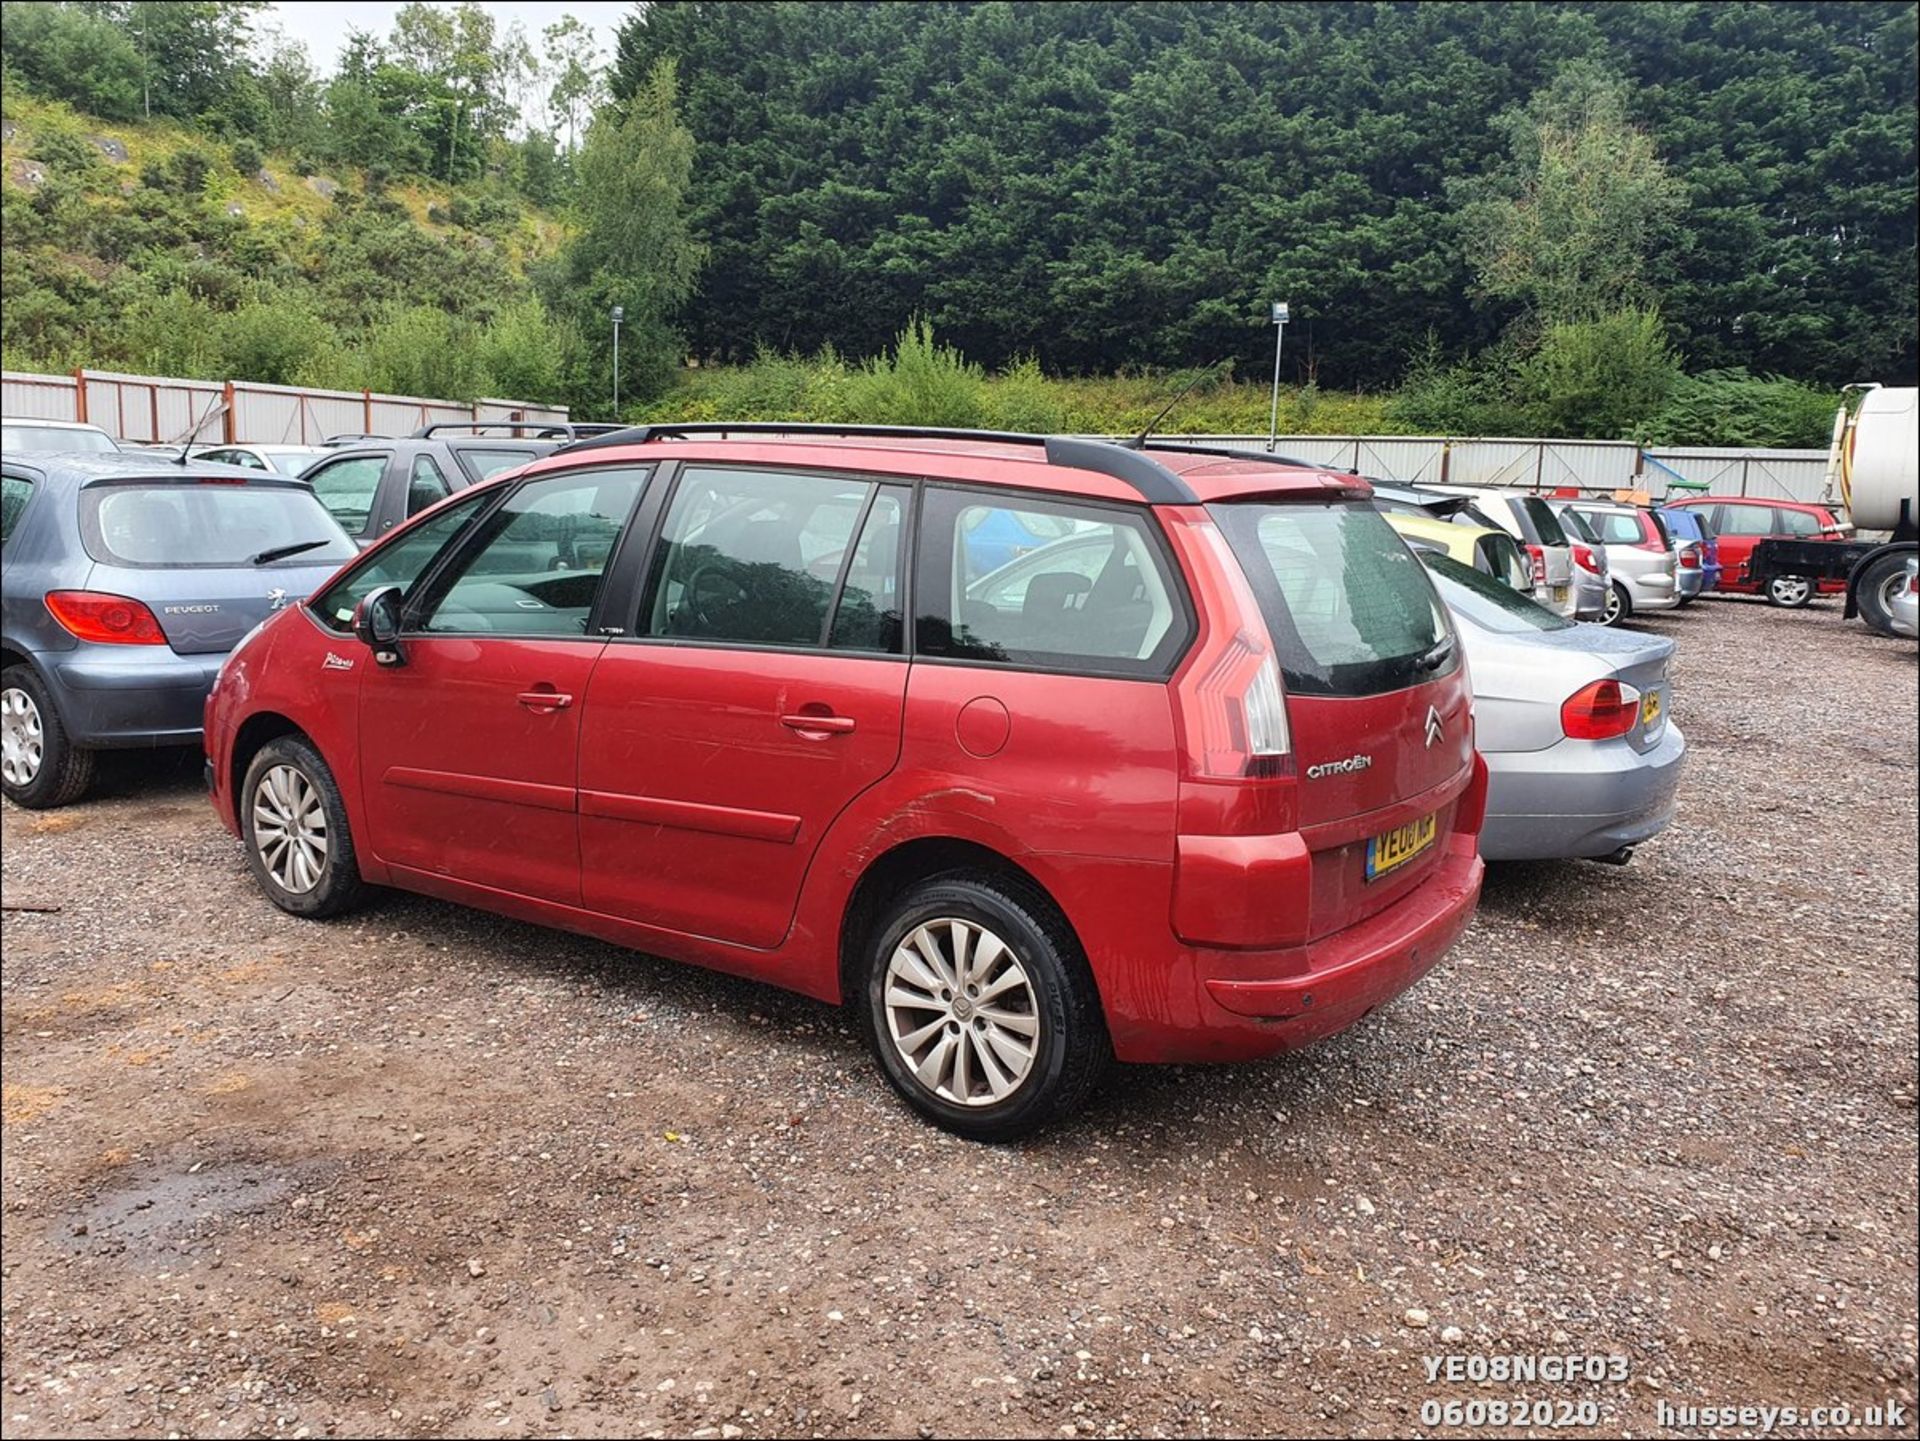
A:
1437, 656
281, 552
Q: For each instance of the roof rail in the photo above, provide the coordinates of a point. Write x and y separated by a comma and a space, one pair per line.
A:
542, 429
1236, 452
1154, 482
352, 438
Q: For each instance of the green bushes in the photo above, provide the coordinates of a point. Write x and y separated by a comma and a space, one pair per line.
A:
1730, 407
1599, 379
921, 383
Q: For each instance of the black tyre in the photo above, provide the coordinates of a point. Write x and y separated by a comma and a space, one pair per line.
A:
295, 829
1789, 592
40, 766
1619, 605
980, 1009
1879, 584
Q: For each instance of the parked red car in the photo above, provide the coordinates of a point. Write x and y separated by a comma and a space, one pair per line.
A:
1190, 778
1742, 522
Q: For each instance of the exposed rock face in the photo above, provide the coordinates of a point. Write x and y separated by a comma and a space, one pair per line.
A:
320, 185
109, 147
265, 177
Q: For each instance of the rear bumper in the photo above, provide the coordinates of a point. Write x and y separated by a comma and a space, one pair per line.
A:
1589, 595
1655, 591
1250, 1004
129, 696
1692, 583
1580, 799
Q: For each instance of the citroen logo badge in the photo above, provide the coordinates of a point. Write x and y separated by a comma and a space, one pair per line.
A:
1436, 728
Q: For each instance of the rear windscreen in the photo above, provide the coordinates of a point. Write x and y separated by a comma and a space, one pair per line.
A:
1543, 526
1350, 610
184, 524
1486, 602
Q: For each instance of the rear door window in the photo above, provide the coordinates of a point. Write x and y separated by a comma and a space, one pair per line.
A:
1744, 520
184, 524
347, 488
1046, 585
425, 485
1350, 610
1795, 522
483, 463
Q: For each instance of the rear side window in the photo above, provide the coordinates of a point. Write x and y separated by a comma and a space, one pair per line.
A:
347, 488
1797, 522
758, 557
15, 492
1046, 585
480, 463
1616, 527
1350, 610
207, 524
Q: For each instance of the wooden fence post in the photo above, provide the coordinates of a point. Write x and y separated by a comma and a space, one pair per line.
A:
80, 396
229, 432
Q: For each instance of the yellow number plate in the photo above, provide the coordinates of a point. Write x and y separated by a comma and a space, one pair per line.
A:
1649, 709
1396, 847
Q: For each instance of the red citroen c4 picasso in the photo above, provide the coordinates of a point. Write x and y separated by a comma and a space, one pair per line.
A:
1038, 752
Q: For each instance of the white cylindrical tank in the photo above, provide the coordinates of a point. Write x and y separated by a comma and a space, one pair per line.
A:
1880, 458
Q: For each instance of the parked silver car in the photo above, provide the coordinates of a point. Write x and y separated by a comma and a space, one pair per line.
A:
1583, 757
1640, 556
1592, 578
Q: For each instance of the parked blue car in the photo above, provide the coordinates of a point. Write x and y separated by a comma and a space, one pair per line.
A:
124, 581
1692, 525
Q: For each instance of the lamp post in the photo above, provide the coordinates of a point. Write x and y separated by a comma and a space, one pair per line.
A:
619, 314
1279, 334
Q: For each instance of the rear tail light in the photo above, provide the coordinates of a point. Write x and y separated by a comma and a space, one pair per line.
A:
1584, 557
1233, 717
1690, 557
1537, 556
108, 619
1600, 711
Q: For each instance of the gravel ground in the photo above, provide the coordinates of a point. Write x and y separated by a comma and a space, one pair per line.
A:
429, 1172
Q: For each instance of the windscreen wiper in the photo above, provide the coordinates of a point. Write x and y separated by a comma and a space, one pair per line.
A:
281, 552
1437, 656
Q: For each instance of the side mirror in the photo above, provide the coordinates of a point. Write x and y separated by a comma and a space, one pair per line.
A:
376, 622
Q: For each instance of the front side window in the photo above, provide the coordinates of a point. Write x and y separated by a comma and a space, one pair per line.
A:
401, 561
1045, 584
180, 524
534, 565
347, 488
759, 557
1350, 610
15, 492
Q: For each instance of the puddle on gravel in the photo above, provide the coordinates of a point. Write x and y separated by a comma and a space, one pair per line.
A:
156, 1218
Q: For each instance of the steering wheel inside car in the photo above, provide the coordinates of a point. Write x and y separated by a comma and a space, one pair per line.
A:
711, 587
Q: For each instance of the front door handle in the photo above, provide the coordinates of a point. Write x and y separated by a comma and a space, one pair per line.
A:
544, 700
826, 725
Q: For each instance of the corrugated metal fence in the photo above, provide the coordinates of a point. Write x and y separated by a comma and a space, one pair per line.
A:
156, 408
1546, 465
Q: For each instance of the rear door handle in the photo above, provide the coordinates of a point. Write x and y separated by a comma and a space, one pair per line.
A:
544, 700
836, 725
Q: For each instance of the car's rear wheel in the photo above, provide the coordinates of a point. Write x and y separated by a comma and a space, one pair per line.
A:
979, 1008
1790, 592
1619, 605
294, 823
1878, 589
40, 766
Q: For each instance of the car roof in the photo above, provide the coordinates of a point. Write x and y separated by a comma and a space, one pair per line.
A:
1755, 500
1448, 532
84, 468
1017, 463
46, 424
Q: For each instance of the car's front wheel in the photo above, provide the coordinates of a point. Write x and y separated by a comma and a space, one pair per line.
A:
40, 766
980, 1010
1879, 587
295, 828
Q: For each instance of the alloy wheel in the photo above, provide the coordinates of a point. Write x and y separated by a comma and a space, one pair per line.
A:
1791, 590
290, 828
1611, 615
23, 742
961, 1011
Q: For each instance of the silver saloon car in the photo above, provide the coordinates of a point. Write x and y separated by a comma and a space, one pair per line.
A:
1582, 756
